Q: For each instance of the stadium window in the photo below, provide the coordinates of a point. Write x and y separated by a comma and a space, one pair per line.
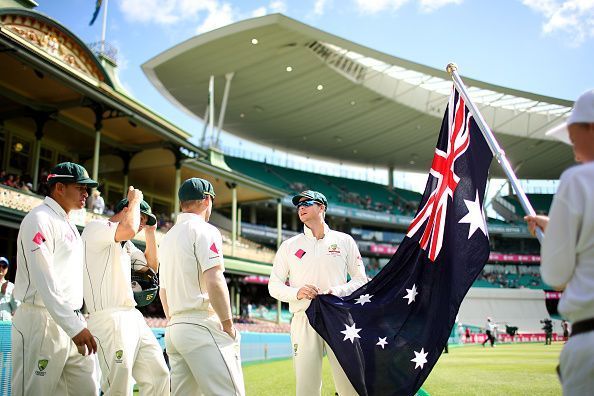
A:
46, 158
2, 146
20, 152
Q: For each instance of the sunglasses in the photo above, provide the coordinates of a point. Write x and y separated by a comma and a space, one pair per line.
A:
307, 204
3, 266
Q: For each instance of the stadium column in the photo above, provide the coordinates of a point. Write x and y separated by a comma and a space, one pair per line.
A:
233, 217
391, 177
98, 109
228, 78
40, 120
126, 157
279, 240
177, 184
239, 222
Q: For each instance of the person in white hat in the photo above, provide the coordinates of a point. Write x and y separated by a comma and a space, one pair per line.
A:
567, 251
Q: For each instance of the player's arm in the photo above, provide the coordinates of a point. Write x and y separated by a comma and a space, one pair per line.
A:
129, 225
218, 294
37, 247
355, 269
278, 276
208, 250
558, 255
163, 297
150, 252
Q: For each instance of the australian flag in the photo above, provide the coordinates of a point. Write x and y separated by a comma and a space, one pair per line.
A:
96, 12
389, 334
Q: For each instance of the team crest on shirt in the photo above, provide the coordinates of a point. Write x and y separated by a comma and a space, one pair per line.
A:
41, 366
334, 250
118, 355
295, 346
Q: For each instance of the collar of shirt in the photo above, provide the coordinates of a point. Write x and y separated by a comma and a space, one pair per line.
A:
308, 233
55, 206
185, 217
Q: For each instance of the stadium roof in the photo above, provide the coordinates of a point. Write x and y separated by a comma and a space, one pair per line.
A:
300, 89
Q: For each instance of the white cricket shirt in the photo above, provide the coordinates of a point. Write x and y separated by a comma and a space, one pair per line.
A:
324, 263
567, 251
189, 248
107, 267
50, 265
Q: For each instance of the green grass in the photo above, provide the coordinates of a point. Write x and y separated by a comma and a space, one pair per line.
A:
514, 369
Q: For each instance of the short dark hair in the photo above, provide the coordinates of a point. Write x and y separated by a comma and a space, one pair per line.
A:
186, 204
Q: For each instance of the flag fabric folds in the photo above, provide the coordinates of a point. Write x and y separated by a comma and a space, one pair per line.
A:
96, 12
389, 334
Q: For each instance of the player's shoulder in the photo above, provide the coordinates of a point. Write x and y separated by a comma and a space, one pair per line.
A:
578, 172
294, 239
39, 215
342, 236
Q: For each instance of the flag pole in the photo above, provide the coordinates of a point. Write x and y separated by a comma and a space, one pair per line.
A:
498, 153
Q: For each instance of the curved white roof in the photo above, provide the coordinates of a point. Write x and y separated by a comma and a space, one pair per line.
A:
304, 90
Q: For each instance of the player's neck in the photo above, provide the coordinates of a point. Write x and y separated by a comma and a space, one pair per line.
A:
316, 227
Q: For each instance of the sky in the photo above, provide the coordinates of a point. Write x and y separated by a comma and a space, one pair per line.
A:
540, 46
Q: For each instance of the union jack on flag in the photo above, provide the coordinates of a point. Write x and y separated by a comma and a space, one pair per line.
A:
442, 169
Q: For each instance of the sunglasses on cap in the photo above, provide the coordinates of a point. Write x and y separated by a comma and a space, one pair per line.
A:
307, 204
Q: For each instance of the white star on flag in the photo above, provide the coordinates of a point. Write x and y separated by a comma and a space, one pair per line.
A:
420, 358
411, 293
365, 298
382, 342
350, 333
474, 218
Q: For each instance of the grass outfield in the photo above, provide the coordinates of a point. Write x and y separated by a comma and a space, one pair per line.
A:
514, 369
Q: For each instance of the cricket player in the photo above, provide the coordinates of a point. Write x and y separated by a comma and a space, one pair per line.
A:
201, 341
50, 341
127, 347
315, 262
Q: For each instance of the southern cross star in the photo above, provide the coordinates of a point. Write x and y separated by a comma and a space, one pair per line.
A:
350, 333
420, 358
382, 342
365, 298
474, 218
411, 293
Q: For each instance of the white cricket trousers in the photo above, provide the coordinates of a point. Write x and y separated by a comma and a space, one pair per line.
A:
308, 351
577, 365
127, 349
204, 359
45, 360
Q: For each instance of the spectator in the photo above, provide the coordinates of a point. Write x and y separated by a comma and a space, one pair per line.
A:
98, 204
8, 304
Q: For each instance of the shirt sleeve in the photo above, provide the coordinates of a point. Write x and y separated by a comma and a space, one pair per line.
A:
558, 250
208, 249
14, 304
99, 235
38, 248
277, 286
356, 270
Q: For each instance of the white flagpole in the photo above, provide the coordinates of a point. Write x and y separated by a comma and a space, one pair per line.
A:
498, 153
104, 27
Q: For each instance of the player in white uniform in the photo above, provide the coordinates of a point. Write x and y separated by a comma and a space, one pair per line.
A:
567, 251
50, 340
315, 262
128, 348
201, 341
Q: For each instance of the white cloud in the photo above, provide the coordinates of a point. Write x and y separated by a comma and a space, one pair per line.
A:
164, 12
278, 6
573, 17
375, 6
220, 16
258, 12
319, 7
432, 5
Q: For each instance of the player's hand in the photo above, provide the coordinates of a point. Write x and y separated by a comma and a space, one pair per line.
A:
229, 328
134, 195
150, 228
308, 291
85, 342
536, 221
